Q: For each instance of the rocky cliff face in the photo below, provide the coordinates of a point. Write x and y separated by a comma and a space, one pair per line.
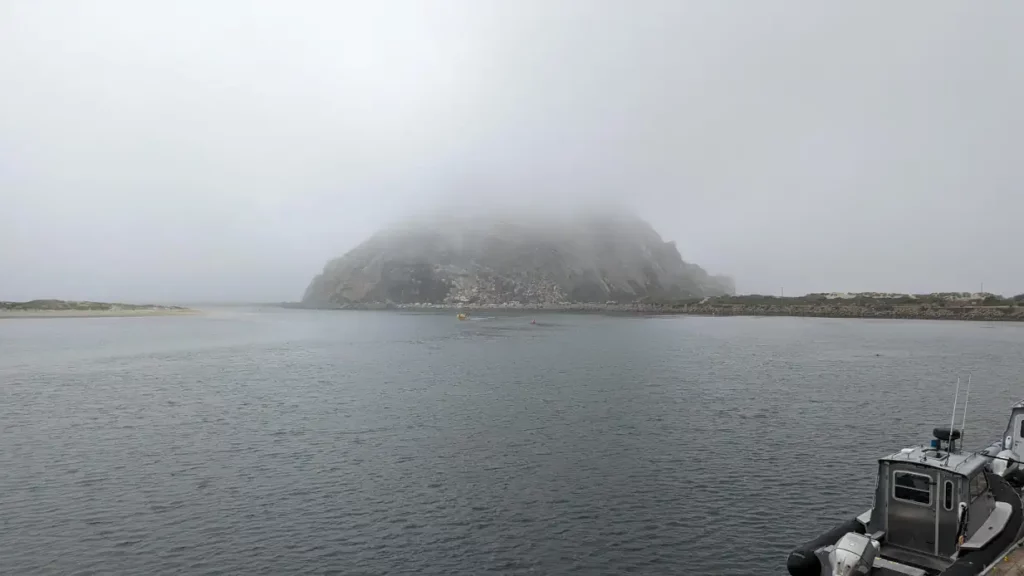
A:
490, 260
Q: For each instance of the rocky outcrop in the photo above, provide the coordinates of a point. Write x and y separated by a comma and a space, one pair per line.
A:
529, 261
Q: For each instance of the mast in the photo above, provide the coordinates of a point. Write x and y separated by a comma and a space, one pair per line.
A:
963, 423
952, 420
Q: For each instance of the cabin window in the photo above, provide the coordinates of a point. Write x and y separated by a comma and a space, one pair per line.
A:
947, 495
1022, 427
911, 487
979, 486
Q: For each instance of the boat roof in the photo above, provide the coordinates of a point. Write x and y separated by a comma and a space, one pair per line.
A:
965, 463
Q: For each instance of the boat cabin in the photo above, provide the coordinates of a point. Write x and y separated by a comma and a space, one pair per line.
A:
933, 501
1013, 437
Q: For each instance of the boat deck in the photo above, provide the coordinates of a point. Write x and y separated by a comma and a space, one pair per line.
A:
1011, 565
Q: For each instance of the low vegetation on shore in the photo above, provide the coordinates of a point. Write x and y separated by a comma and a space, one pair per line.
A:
936, 306
40, 305
68, 308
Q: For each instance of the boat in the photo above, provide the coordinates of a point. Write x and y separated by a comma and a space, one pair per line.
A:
462, 316
938, 511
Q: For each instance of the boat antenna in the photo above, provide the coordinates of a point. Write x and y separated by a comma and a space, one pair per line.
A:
952, 419
963, 423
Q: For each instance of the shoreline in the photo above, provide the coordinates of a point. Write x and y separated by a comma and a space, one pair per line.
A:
881, 312
44, 314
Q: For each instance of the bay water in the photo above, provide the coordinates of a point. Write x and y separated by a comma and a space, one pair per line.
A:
271, 441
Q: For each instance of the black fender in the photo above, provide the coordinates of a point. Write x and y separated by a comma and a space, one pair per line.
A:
803, 562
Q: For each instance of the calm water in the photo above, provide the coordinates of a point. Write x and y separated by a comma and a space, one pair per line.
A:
279, 442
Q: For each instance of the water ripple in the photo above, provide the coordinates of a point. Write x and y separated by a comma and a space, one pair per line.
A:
377, 443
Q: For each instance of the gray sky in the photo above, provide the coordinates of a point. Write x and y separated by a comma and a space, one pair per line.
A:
225, 150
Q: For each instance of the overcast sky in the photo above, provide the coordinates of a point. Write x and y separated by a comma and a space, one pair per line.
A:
197, 150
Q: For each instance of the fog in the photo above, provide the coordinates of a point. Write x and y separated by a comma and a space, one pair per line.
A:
223, 151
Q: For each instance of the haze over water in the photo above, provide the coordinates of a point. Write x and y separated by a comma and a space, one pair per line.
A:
274, 441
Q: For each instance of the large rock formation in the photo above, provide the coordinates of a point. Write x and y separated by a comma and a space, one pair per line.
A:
513, 260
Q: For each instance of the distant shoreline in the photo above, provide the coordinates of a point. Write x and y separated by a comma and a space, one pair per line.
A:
73, 309
799, 307
14, 314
